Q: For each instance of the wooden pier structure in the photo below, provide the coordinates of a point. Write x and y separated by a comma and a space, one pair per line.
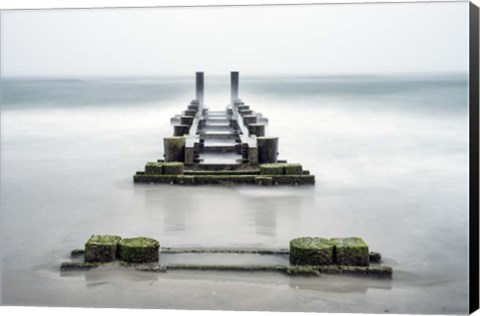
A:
221, 147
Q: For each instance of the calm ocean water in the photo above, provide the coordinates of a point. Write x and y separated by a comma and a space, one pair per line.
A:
390, 156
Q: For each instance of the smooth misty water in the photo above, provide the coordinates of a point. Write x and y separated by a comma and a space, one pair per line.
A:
389, 154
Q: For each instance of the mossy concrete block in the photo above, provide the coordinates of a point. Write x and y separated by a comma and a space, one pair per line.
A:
76, 266
77, 253
271, 169
293, 169
185, 180
172, 168
378, 272
138, 250
264, 180
225, 179
101, 248
155, 178
311, 251
351, 251
294, 180
153, 168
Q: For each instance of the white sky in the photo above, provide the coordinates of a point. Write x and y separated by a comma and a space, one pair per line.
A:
312, 39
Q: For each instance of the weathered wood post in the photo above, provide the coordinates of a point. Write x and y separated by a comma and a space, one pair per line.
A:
199, 87
234, 78
174, 149
267, 149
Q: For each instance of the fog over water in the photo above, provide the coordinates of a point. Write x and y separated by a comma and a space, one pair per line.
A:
390, 156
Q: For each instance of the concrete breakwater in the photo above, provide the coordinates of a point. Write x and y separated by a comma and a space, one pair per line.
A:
221, 148
307, 256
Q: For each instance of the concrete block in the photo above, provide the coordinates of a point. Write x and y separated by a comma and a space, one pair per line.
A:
311, 251
138, 250
351, 251
101, 248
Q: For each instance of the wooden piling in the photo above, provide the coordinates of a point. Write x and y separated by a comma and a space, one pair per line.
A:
267, 149
174, 149
234, 81
199, 84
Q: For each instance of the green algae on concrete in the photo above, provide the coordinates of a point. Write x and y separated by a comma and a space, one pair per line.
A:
303, 270
153, 168
225, 179
101, 248
154, 178
289, 169
245, 172
75, 266
185, 180
271, 169
379, 272
172, 168
293, 169
311, 251
263, 180
138, 250
351, 251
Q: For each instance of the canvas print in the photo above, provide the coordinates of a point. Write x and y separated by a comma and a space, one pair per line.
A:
302, 158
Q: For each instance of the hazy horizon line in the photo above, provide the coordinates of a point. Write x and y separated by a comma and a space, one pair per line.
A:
244, 75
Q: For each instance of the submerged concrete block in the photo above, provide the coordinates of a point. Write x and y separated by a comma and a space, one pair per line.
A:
225, 179
155, 178
174, 148
138, 250
172, 168
263, 180
294, 180
311, 251
101, 248
185, 180
153, 168
351, 251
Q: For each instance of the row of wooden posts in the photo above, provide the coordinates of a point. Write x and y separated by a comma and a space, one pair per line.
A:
249, 125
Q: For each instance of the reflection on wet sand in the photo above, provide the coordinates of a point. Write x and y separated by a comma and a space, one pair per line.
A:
339, 284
